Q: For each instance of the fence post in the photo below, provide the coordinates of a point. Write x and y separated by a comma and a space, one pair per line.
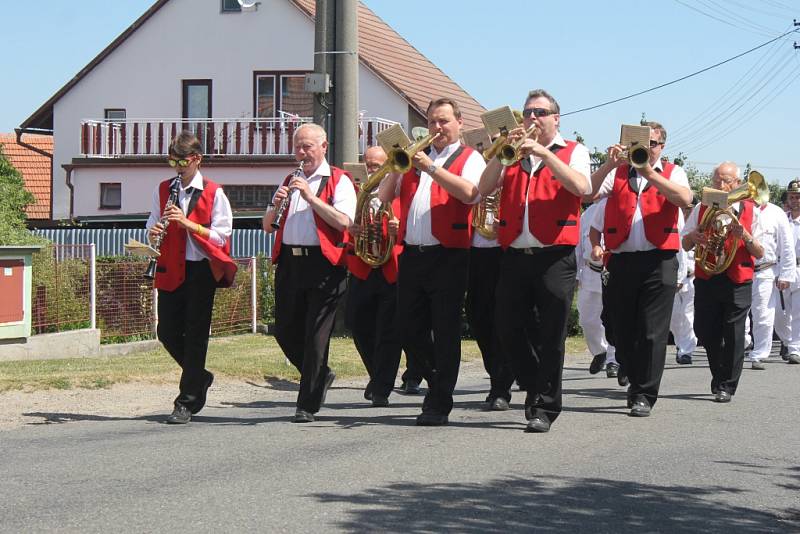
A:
254, 291
92, 287
155, 312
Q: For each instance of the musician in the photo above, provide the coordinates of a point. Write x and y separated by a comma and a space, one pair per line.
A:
721, 301
590, 301
773, 274
640, 228
372, 305
538, 231
310, 256
681, 322
435, 205
195, 260
787, 323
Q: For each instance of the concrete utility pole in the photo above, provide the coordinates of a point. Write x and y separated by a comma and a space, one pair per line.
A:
346, 82
324, 42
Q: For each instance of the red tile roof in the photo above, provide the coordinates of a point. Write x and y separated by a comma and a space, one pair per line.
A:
403, 67
34, 167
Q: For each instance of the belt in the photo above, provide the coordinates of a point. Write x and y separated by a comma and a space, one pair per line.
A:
420, 248
764, 266
303, 251
594, 266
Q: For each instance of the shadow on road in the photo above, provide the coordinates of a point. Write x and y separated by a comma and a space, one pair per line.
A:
553, 504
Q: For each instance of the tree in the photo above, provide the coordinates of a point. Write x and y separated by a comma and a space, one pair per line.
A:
14, 198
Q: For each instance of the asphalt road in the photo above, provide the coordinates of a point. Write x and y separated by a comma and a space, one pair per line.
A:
694, 465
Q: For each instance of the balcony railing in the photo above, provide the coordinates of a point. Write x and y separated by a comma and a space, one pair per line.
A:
220, 137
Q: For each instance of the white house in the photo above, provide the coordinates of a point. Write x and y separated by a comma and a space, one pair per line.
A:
236, 78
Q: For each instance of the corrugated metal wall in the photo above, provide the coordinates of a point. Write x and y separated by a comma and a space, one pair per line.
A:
110, 241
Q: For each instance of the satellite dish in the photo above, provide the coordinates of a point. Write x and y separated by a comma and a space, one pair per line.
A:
248, 3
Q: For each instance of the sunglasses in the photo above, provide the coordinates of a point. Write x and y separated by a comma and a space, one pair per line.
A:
184, 162
537, 112
655, 144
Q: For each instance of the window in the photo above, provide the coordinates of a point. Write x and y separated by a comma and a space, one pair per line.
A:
111, 196
281, 92
114, 115
231, 6
250, 197
196, 99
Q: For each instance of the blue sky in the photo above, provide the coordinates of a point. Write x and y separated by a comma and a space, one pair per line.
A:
745, 110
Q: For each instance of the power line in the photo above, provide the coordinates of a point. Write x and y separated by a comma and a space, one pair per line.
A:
679, 79
712, 16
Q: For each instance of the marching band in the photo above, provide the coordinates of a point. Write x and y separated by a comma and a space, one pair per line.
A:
515, 229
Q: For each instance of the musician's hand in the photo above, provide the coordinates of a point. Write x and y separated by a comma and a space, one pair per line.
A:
530, 146
781, 285
614, 154
597, 253
175, 214
301, 185
697, 237
355, 229
421, 161
392, 226
154, 232
280, 195
738, 230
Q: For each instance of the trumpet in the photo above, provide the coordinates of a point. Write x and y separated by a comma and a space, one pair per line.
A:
280, 212
638, 156
174, 187
509, 153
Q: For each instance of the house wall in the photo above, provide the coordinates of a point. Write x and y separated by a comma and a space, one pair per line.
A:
143, 75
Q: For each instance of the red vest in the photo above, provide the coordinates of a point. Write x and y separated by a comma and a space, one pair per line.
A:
741, 268
331, 241
450, 218
660, 217
553, 212
171, 268
361, 270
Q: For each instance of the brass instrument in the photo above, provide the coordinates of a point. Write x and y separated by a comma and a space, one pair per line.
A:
174, 188
374, 244
485, 214
280, 212
498, 143
638, 156
721, 245
509, 153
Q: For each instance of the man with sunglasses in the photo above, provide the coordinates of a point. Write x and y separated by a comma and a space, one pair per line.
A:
195, 260
640, 228
538, 231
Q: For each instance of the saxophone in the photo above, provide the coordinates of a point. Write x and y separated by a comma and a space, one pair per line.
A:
174, 187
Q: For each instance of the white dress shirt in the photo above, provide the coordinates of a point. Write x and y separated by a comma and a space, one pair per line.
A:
579, 161
418, 224
299, 227
637, 240
588, 278
221, 217
775, 235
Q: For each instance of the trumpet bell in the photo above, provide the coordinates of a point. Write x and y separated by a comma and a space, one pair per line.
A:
638, 157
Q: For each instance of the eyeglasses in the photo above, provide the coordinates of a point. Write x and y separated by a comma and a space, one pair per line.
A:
183, 162
538, 112
655, 144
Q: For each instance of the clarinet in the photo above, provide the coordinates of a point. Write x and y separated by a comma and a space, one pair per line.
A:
280, 213
174, 187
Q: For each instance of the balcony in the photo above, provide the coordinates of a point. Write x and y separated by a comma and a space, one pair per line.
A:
241, 137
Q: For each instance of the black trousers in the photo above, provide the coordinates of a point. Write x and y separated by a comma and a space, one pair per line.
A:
640, 290
184, 321
534, 296
720, 310
307, 291
430, 286
370, 316
484, 270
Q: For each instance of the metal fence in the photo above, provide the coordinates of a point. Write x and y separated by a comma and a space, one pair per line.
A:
73, 289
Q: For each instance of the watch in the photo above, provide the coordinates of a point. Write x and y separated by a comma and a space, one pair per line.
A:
431, 169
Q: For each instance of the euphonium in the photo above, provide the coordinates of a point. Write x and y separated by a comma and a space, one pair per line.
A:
174, 187
717, 254
374, 244
485, 214
509, 153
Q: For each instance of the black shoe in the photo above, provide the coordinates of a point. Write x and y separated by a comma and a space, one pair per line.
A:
201, 401
328, 381
622, 379
180, 415
410, 387
431, 419
612, 370
784, 352
379, 401
498, 405
684, 359
537, 424
722, 396
793, 358
597, 363
302, 416
640, 408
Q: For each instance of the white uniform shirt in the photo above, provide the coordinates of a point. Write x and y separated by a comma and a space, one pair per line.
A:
299, 227
794, 224
418, 224
637, 241
775, 235
221, 217
579, 160
589, 279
